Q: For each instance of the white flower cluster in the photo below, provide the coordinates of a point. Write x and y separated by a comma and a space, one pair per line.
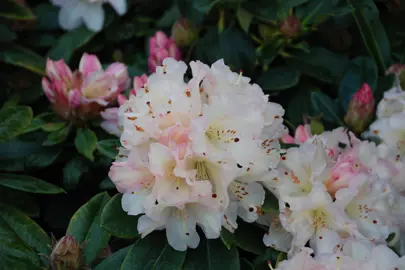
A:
337, 194
195, 153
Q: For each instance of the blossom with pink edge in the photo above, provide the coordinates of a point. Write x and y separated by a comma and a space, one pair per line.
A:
81, 95
302, 134
184, 162
110, 115
161, 47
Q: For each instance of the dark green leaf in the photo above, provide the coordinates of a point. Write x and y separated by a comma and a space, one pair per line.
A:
73, 171
22, 57
300, 104
269, 255
36, 124
262, 9
25, 203
279, 78
116, 221
320, 63
51, 127
86, 142
286, 4
115, 260
325, 105
374, 36
28, 184
361, 70
249, 238
13, 121
169, 17
244, 18
47, 15
227, 238
109, 148
245, 264
58, 136
270, 203
212, 255
69, 42
85, 226
42, 159
15, 149
6, 34
154, 253
106, 183
21, 238
11, 9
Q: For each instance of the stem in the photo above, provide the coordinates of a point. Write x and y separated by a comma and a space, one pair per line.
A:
221, 22
289, 124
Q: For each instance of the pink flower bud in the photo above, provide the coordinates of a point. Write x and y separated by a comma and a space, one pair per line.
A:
184, 33
139, 82
291, 26
120, 73
361, 108
89, 63
161, 39
121, 99
66, 254
161, 47
302, 133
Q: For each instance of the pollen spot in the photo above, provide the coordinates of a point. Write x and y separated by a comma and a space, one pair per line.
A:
188, 93
251, 209
374, 221
236, 140
283, 158
138, 128
187, 233
276, 116
133, 118
170, 101
239, 166
214, 195
285, 173
376, 132
320, 237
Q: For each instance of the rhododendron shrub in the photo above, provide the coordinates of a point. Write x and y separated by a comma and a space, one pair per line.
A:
196, 134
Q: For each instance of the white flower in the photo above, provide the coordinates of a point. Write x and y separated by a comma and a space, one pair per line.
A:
74, 13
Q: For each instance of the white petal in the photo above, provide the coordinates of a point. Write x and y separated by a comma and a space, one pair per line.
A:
133, 203
181, 232
210, 221
70, 15
120, 6
94, 17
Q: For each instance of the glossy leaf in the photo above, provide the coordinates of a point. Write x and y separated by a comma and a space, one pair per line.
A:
227, 238
278, 78
86, 142
212, 255
58, 136
115, 260
244, 19
22, 240
249, 238
25, 58
12, 9
116, 221
108, 148
51, 127
85, 226
6, 34
26, 202
246, 265
153, 253
42, 159
324, 105
73, 171
13, 121
28, 184
106, 183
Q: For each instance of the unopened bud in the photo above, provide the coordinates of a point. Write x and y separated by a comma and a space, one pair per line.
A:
184, 33
360, 110
66, 254
291, 26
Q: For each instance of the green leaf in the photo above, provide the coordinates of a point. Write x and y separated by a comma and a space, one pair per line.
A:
21, 238
109, 148
300, 104
14, 149
11, 9
22, 57
244, 19
249, 238
214, 46
42, 159
58, 136
28, 184
13, 121
374, 36
204, 5
6, 34
116, 221
73, 171
47, 15
286, 4
153, 253
279, 78
227, 238
70, 42
245, 264
269, 255
262, 9
169, 17
361, 70
85, 226
26, 203
51, 127
86, 142
270, 203
324, 105
115, 260
320, 63
212, 255
106, 183
36, 123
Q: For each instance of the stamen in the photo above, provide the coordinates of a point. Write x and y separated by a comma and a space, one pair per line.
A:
240, 77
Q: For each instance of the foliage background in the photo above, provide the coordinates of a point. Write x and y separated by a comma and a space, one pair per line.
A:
339, 45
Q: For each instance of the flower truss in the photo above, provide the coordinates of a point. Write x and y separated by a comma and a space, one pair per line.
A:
195, 153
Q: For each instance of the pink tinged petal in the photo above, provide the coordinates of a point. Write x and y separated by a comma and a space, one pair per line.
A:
110, 114
152, 64
99, 85
119, 71
302, 133
61, 92
74, 98
121, 99
161, 39
152, 44
174, 51
71, 14
89, 63
94, 17
120, 6
139, 82
47, 88
111, 126
161, 55
287, 138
